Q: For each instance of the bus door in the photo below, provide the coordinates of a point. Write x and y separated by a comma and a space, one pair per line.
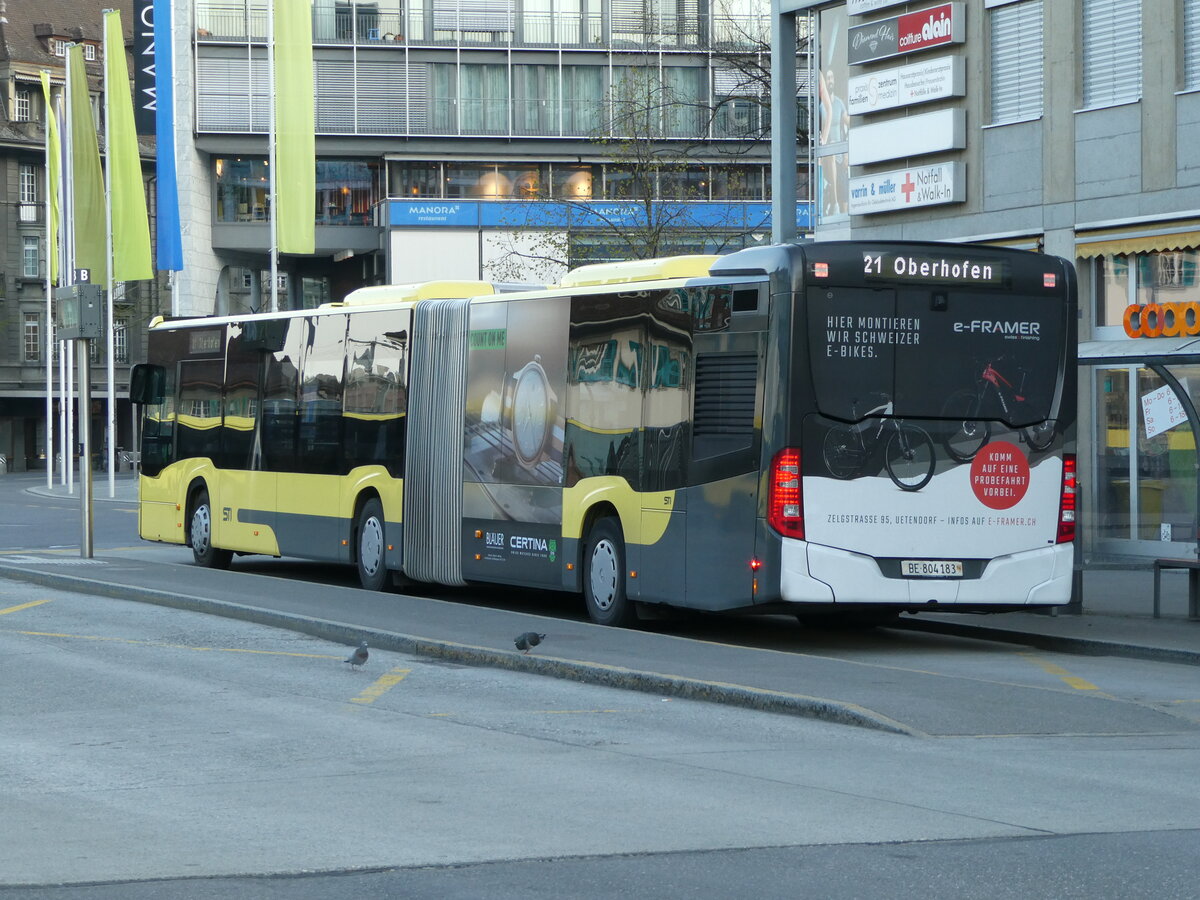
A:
244, 517
723, 479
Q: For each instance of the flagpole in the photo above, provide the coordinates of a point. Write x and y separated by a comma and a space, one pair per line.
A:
108, 256
69, 275
274, 302
49, 311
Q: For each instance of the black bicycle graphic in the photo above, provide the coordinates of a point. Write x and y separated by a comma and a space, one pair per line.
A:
907, 449
965, 407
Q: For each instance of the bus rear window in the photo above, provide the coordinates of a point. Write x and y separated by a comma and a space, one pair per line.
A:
921, 351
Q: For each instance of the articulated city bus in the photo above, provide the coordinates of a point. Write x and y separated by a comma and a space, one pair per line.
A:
812, 428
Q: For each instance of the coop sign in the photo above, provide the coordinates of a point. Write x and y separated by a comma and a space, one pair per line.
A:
1162, 320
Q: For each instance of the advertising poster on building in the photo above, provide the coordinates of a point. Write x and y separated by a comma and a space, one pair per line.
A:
833, 118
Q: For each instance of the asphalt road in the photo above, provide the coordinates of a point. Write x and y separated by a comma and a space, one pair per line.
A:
145, 743
140, 743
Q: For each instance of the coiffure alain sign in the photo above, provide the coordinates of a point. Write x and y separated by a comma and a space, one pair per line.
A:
936, 26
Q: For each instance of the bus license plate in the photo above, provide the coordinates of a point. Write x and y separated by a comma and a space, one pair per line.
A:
931, 568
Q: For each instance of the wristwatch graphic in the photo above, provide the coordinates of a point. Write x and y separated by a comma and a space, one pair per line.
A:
531, 410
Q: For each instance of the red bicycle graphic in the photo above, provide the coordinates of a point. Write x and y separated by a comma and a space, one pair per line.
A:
995, 396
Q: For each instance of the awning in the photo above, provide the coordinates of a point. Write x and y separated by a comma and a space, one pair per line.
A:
1183, 235
1140, 351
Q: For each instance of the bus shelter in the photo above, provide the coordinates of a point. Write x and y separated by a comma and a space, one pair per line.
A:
1144, 493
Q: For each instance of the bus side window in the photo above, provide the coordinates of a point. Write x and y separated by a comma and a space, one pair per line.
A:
199, 410
239, 402
319, 440
158, 421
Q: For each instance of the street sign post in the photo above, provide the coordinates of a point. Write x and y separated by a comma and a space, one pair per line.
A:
79, 317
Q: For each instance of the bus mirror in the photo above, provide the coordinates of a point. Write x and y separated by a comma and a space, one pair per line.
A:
146, 384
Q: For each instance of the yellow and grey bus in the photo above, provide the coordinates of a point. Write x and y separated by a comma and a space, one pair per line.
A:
812, 428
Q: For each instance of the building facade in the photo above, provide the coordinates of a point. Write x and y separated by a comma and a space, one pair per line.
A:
502, 140
1066, 127
33, 38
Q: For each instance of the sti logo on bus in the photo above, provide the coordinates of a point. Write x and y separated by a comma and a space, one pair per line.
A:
931, 269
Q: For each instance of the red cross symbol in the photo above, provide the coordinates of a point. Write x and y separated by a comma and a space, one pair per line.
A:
908, 187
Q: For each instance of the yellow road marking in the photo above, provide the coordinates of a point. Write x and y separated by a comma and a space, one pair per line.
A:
382, 685
114, 640
1080, 684
12, 609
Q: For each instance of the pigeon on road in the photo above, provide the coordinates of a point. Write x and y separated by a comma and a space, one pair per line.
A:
358, 657
527, 641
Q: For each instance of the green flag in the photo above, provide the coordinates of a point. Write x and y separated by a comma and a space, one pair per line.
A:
295, 182
54, 158
130, 224
87, 184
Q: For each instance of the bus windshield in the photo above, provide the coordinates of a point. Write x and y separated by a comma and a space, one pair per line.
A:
918, 348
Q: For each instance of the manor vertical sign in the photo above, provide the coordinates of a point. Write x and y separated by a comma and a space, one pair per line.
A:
144, 91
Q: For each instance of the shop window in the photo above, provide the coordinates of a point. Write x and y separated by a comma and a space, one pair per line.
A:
1168, 276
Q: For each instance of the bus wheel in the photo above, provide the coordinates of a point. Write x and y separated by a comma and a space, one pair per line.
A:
604, 576
370, 546
200, 536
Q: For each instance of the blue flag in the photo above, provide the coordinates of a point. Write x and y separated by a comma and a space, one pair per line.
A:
170, 241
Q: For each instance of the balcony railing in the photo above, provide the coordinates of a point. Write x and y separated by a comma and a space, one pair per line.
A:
247, 20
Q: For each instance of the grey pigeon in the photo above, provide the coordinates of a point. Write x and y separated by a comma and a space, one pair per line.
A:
358, 657
527, 641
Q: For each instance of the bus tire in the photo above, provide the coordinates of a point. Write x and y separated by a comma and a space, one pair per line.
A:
370, 546
604, 576
200, 535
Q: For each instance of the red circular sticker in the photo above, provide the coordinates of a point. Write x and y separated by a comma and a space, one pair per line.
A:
1000, 475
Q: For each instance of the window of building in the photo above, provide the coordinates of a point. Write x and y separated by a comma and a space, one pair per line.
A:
28, 178
1112, 52
576, 182
30, 263
738, 182
685, 101
33, 337
582, 87
1191, 44
484, 98
57, 47
29, 184
243, 190
684, 182
414, 179
1165, 276
121, 340
1016, 61
346, 191
89, 51
535, 99
23, 105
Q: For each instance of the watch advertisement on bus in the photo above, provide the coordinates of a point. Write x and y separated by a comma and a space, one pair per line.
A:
513, 434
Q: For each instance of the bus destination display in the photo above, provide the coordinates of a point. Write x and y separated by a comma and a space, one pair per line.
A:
913, 267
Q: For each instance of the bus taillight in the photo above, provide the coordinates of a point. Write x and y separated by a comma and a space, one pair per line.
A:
785, 509
1066, 503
